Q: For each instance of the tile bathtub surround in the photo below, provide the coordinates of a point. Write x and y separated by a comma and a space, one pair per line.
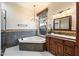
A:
3, 42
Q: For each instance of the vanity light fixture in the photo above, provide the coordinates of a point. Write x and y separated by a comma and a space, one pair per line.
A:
62, 13
64, 10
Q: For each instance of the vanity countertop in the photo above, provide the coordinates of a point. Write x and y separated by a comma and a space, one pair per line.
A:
64, 37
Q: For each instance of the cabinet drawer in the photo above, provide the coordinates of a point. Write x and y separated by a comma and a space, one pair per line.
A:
69, 43
69, 50
59, 41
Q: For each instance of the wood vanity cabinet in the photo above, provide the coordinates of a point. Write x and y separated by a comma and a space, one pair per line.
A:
55, 46
60, 47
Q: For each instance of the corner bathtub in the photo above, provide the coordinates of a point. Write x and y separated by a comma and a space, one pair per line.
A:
34, 43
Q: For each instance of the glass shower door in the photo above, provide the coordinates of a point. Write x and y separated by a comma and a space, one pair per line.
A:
3, 31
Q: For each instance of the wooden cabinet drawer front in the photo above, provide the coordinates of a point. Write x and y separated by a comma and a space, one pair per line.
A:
69, 43
59, 41
69, 50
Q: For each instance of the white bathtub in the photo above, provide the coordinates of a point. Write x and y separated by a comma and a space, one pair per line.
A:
34, 43
34, 39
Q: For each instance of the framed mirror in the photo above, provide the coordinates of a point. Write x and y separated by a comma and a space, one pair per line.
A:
63, 23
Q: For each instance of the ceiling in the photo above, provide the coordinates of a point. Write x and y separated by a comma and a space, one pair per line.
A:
39, 6
27, 9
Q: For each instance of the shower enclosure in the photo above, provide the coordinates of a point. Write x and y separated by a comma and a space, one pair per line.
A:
3, 31
43, 22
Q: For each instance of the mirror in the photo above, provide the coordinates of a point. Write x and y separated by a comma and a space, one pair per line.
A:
63, 23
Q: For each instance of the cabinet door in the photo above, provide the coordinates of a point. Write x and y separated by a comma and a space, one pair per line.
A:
59, 49
48, 43
52, 46
69, 50
76, 50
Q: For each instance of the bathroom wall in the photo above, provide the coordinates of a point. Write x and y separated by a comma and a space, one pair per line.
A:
16, 14
55, 7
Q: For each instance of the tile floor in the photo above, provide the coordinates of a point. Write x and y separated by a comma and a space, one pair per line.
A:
14, 51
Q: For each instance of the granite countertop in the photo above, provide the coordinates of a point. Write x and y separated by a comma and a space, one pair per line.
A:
64, 37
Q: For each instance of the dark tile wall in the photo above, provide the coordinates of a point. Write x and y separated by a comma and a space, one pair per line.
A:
10, 39
3, 41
